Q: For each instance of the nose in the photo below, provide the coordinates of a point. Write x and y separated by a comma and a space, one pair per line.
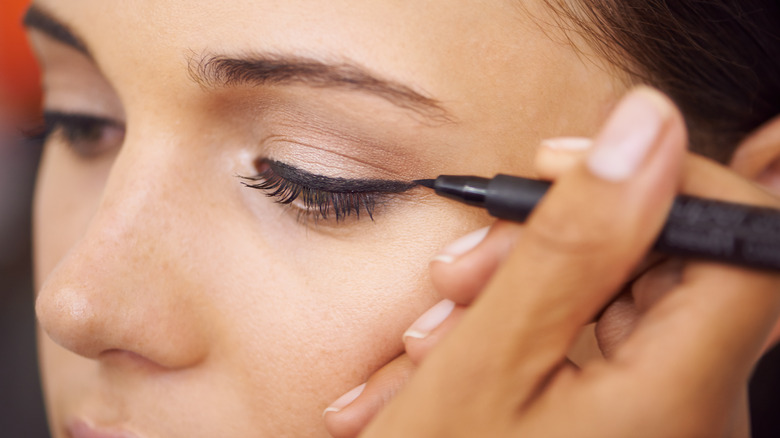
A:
126, 285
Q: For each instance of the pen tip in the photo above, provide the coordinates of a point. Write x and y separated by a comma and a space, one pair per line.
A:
425, 182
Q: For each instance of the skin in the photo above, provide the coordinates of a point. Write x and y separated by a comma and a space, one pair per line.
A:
175, 302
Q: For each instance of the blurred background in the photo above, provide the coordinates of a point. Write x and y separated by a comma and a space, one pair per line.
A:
21, 407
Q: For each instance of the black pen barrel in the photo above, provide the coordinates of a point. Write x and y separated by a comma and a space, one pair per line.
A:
723, 231
703, 228
513, 198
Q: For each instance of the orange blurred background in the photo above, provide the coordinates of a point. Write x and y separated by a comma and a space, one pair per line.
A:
19, 84
21, 407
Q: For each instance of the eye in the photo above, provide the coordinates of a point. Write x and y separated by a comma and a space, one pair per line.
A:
87, 135
319, 197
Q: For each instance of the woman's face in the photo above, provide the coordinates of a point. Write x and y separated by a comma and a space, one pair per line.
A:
174, 300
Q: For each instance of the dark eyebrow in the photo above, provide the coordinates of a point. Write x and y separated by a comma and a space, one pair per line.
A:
267, 69
37, 18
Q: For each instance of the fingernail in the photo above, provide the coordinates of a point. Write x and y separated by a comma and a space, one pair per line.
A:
461, 246
344, 401
628, 135
568, 143
429, 320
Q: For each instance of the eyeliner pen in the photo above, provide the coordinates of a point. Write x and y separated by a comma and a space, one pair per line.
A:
727, 232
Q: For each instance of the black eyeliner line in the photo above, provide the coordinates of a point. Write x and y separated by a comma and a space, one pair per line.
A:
337, 185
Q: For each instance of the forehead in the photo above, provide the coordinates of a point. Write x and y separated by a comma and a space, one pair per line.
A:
500, 65
410, 39
239, 21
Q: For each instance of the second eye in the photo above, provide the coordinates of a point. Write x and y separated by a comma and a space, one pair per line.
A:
88, 136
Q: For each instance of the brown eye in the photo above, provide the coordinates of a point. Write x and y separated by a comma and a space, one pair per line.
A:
88, 136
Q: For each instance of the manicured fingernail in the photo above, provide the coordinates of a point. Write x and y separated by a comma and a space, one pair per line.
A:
344, 401
568, 143
461, 246
630, 132
430, 320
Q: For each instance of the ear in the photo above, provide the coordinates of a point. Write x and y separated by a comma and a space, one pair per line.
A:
758, 158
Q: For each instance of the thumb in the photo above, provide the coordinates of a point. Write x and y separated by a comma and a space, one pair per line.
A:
463, 268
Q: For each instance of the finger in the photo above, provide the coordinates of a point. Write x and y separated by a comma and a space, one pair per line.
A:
622, 315
348, 415
556, 156
704, 337
658, 281
702, 177
720, 314
708, 179
463, 268
575, 252
616, 323
430, 329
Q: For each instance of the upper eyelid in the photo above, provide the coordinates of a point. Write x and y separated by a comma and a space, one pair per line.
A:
54, 119
61, 116
336, 184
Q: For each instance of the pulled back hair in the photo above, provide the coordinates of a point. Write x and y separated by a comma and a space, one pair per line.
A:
719, 60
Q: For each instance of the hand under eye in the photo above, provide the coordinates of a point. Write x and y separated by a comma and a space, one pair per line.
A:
455, 281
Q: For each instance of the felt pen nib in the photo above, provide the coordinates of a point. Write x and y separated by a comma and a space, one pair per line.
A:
425, 182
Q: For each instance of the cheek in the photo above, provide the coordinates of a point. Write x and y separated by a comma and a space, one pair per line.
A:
324, 321
323, 314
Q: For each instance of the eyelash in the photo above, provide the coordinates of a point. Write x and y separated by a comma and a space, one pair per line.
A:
83, 133
317, 204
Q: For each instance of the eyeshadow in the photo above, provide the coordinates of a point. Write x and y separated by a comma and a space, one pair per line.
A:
336, 185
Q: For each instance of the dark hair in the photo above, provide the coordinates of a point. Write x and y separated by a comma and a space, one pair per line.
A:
719, 60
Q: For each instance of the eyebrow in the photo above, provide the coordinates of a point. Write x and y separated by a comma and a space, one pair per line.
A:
265, 69
39, 19
213, 71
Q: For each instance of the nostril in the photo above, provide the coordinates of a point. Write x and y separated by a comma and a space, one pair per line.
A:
128, 359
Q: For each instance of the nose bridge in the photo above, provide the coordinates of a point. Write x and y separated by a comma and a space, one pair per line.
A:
123, 285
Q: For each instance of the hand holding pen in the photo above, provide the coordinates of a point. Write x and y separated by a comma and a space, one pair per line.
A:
681, 338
